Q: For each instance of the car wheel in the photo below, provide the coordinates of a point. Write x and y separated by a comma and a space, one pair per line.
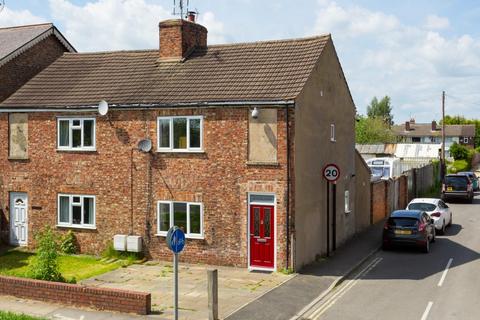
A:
426, 248
450, 222
442, 231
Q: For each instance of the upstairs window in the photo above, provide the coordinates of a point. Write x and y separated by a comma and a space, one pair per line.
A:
182, 134
76, 134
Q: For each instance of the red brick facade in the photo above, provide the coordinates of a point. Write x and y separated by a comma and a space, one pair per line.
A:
179, 37
77, 295
220, 178
18, 71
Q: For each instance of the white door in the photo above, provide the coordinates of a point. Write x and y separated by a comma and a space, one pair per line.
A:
18, 219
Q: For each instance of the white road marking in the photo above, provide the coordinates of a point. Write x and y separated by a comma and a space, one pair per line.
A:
349, 284
427, 310
445, 272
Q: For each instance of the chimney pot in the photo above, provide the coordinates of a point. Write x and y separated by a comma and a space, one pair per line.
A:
191, 16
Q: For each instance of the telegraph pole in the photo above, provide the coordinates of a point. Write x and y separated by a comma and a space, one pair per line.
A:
442, 162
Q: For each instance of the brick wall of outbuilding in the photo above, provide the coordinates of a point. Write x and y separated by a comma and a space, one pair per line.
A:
220, 178
19, 70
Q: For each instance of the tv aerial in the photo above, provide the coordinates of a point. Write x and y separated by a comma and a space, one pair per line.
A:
2, 5
180, 8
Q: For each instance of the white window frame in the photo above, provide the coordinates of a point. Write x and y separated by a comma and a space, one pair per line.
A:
171, 148
347, 201
70, 135
465, 140
70, 211
332, 133
188, 234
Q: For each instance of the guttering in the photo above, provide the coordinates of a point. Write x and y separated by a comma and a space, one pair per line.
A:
147, 106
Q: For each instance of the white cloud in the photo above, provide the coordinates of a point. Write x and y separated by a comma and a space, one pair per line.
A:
119, 24
435, 22
383, 56
216, 33
9, 18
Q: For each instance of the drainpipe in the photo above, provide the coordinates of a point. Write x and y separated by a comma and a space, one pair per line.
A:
288, 188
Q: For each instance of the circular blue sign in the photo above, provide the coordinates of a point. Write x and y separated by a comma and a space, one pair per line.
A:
175, 239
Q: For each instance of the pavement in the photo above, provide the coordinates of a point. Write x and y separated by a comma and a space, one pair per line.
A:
295, 297
242, 294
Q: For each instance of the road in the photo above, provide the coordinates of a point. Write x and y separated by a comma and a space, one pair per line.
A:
407, 284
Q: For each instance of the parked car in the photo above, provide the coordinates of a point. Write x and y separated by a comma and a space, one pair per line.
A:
436, 209
457, 186
473, 177
409, 227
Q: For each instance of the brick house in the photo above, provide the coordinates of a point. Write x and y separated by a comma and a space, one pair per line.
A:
25, 51
240, 132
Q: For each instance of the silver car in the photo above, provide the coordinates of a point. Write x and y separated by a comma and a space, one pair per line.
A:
436, 209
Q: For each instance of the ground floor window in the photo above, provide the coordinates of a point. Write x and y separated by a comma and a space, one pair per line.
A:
76, 211
188, 216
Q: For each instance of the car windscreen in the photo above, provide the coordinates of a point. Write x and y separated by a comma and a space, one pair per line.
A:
457, 182
402, 222
381, 171
421, 206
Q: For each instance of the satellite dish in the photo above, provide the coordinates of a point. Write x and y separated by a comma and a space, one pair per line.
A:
145, 145
103, 107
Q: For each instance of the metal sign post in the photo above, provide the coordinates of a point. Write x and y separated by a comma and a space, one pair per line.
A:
331, 173
176, 243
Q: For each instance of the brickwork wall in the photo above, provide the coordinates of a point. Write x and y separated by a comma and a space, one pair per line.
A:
220, 178
178, 37
379, 200
77, 295
18, 71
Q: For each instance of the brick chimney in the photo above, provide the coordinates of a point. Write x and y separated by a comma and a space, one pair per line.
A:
407, 125
178, 39
434, 125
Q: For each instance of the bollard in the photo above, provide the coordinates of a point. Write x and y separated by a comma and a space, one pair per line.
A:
212, 294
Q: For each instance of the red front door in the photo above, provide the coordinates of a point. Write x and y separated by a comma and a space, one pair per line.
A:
262, 243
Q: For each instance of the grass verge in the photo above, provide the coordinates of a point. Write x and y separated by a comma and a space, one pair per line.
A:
13, 316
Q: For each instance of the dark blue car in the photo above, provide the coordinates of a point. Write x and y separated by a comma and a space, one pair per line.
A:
409, 227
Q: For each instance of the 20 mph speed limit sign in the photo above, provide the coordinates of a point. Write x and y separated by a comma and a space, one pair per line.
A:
331, 172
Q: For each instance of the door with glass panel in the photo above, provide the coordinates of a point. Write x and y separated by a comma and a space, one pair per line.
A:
262, 240
18, 219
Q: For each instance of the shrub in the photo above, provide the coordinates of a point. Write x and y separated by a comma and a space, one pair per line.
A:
45, 265
68, 243
459, 152
458, 166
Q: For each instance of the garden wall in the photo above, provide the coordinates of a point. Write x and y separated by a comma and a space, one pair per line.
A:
77, 295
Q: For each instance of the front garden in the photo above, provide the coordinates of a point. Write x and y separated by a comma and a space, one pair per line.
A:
55, 260
13, 316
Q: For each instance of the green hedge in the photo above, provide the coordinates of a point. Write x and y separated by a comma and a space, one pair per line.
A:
458, 166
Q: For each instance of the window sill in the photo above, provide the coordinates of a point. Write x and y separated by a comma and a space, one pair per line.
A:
76, 150
186, 236
18, 159
76, 227
259, 163
180, 151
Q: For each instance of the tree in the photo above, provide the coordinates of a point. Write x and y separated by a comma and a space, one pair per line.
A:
381, 109
458, 152
372, 130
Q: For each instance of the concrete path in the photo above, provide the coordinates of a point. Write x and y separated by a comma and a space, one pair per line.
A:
291, 299
237, 286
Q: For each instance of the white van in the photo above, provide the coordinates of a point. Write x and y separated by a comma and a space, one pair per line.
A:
384, 168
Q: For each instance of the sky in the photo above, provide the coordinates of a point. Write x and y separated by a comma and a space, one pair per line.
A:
410, 50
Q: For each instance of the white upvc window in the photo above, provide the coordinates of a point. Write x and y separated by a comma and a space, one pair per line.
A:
188, 216
76, 211
180, 134
76, 134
